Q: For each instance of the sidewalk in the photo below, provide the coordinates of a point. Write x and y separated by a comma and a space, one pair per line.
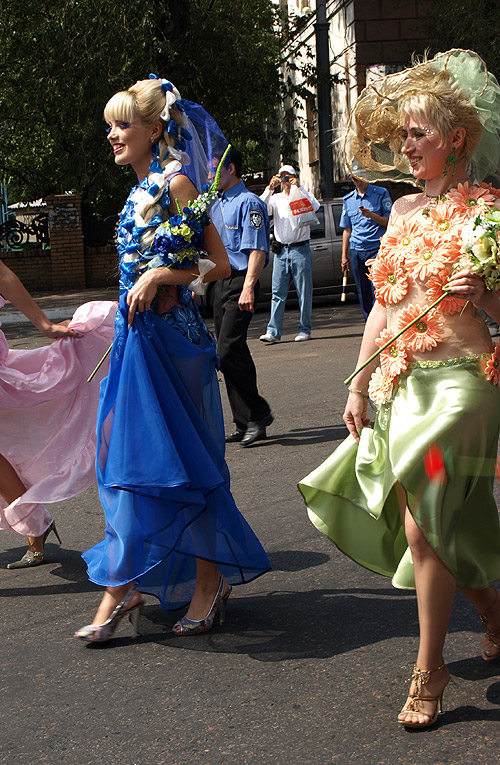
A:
58, 306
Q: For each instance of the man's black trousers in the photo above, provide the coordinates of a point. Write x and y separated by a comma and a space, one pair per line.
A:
236, 363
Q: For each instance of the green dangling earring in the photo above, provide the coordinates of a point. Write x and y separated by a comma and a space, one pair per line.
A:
450, 167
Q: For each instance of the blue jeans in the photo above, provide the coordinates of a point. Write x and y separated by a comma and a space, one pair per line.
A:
364, 287
293, 262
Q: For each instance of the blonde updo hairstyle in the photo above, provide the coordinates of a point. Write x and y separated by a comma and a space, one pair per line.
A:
441, 102
146, 101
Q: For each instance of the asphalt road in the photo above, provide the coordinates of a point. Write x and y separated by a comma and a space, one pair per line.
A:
311, 666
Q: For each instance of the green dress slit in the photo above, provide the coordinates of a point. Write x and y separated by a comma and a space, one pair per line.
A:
351, 497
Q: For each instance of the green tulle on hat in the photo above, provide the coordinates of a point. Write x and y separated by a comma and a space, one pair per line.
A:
373, 141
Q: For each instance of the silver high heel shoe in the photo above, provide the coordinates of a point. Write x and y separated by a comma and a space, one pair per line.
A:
31, 558
100, 633
186, 626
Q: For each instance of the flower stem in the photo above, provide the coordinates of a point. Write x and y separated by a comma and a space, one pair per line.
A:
89, 379
215, 184
392, 339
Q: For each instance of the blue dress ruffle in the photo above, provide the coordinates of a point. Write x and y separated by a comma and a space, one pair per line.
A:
163, 481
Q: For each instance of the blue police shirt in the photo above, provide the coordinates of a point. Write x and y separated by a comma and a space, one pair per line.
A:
365, 233
246, 225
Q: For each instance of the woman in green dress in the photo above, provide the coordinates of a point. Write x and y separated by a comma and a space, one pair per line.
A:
411, 498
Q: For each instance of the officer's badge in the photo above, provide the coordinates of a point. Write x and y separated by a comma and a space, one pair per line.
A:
256, 218
387, 204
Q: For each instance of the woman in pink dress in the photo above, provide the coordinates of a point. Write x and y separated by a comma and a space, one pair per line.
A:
47, 414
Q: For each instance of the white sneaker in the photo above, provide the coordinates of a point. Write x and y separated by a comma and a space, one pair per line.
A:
302, 336
269, 338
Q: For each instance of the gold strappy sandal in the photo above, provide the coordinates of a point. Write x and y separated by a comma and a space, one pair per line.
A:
491, 655
420, 677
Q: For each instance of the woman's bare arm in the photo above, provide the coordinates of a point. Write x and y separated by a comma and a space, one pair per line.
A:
14, 290
355, 416
142, 294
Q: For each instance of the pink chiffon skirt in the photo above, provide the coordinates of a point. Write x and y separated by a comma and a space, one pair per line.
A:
48, 415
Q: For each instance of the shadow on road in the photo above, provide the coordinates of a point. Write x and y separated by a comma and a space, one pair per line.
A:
279, 626
70, 567
459, 715
311, 344
304, 436
472, 669
296, 560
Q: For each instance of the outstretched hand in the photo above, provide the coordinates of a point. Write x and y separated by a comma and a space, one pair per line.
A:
56, 331
355, 416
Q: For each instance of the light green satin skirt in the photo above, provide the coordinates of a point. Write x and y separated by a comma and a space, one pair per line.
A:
351, 497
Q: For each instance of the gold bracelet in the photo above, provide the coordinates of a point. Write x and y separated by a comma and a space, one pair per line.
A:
356, 390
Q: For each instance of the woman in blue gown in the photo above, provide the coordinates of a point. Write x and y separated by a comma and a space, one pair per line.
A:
172, 527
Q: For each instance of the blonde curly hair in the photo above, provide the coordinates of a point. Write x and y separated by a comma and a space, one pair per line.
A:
452, 90
440, 101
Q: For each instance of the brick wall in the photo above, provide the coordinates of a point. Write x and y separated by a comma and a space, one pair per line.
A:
32, 266
101, 266
66, 241
388, 32
68, 264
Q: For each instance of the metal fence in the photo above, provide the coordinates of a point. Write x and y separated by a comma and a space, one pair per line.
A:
30, 232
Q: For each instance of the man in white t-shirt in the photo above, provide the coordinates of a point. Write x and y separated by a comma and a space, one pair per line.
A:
294, 259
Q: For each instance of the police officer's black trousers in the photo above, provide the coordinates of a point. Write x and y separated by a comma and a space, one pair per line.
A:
236, 363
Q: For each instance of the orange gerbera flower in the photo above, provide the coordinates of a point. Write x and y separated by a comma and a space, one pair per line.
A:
492, 369
379, 387
446, 219
489, 187
398, 239
467, 197
431, 254
423, 335
450, 304
389, 279
394, 359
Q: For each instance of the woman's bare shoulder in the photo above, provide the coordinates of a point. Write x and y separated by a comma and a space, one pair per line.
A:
409, 204
406, 207
180, 184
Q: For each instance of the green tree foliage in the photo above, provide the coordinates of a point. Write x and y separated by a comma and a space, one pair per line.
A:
63, 59
462, 24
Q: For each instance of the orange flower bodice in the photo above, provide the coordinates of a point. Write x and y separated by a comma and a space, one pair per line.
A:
417, 255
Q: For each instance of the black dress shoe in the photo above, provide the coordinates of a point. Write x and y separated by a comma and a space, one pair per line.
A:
256, 431
236, 435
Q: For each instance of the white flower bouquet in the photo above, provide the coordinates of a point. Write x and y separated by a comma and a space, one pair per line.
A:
480, 247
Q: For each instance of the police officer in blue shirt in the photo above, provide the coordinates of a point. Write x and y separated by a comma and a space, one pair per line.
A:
246, 236
365, 214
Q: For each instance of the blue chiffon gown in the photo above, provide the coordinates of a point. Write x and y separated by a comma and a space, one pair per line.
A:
163, 481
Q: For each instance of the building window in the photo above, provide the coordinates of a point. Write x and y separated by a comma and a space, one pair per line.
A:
377, 71
312, 130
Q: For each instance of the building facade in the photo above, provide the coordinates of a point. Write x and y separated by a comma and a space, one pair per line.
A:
356, 42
